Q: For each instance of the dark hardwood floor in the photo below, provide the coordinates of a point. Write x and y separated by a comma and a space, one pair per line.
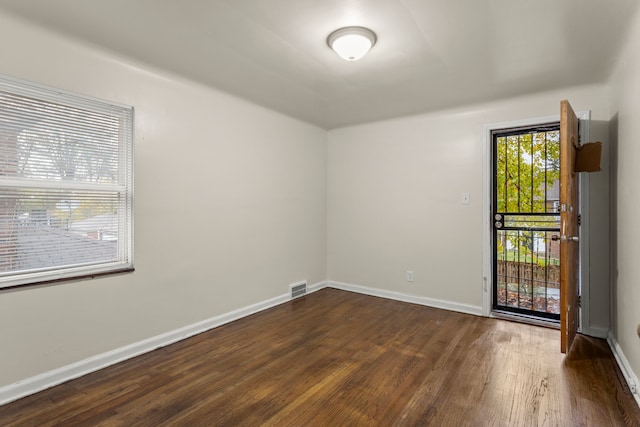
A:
336, 358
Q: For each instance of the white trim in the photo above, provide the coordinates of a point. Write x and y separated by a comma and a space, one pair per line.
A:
71, 273
625, 367
487, 274
316, 287
597, 332
584, 118
414, 299
28, 88
74, 370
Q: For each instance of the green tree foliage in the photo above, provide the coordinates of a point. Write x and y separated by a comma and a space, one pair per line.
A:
525, 163
527, 175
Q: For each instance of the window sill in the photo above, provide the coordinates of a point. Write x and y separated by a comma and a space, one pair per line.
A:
68, 279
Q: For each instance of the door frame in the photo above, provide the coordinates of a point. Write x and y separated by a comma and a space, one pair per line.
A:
487, 197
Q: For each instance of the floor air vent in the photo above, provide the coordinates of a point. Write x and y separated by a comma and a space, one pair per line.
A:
298, 289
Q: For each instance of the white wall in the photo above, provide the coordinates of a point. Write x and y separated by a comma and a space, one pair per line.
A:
229, 209
394, 199
625, 198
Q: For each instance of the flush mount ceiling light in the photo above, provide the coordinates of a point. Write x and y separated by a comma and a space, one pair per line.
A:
351, 43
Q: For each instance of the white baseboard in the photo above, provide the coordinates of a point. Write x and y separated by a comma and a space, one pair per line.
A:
597, 332
623, 363
398, 296
316, 287
74, 370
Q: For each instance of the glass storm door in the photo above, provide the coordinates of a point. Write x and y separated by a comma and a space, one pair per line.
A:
526, 221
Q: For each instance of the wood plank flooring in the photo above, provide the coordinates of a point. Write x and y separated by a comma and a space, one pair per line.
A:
336, 358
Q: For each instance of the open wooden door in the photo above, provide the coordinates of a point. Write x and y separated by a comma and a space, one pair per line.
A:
569, 239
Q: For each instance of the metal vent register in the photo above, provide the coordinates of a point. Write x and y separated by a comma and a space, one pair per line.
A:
298, 289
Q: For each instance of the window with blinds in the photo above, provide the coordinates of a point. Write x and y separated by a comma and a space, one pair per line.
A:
65, 185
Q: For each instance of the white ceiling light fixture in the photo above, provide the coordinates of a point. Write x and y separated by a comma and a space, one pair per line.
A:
351, 43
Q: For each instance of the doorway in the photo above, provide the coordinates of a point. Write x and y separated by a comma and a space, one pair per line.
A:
526, 221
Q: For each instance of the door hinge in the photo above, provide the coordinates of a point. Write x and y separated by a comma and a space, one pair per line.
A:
579, 133
579, 219
580, 301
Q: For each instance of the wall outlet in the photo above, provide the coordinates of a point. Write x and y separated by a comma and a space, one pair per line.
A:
465, 198
409, 276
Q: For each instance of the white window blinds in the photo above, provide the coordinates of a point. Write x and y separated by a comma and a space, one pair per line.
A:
65, 184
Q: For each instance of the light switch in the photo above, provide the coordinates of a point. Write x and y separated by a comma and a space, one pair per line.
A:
466, 198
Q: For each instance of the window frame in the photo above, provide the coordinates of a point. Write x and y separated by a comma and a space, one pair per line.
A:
124, 187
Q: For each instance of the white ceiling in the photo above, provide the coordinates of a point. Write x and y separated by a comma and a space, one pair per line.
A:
430, 54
